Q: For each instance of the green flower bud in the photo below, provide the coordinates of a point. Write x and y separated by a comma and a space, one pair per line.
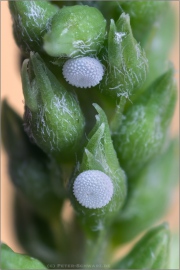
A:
143, 14
127, 62
151, 252
149, 195
110, 9
145, 124
28, 166
12, 260
61, 4
75, 31
53, 117
153, 25
31, 20
99, 189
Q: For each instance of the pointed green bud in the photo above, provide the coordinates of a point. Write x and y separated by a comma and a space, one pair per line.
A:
53, 117
31, 20
99, 189
127, 62
75, 31
149, 195
145, 124
143, 14
151, 252
28, 165
12, 260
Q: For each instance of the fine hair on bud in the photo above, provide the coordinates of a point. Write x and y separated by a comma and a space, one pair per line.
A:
93, 189
83, 72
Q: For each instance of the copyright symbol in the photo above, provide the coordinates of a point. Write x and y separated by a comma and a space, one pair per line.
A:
51, 265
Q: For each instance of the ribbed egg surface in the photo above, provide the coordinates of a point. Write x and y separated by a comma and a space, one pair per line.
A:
93, 189
84, 72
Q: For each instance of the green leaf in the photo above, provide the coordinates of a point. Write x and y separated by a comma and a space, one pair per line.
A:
75, 31
12, 260
127, 63
53, 116
151, 252
145, 124
149, 195
31, 20
99, 155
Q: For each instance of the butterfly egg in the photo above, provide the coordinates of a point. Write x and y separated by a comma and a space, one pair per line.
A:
83, 72
93, 189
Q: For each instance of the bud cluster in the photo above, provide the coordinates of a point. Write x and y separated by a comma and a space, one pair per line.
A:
95, 132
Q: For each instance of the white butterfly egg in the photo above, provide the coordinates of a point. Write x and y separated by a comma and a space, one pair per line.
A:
93, 189
84, 72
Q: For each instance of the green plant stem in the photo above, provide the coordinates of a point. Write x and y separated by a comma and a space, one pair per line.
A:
97, 251
58, 233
